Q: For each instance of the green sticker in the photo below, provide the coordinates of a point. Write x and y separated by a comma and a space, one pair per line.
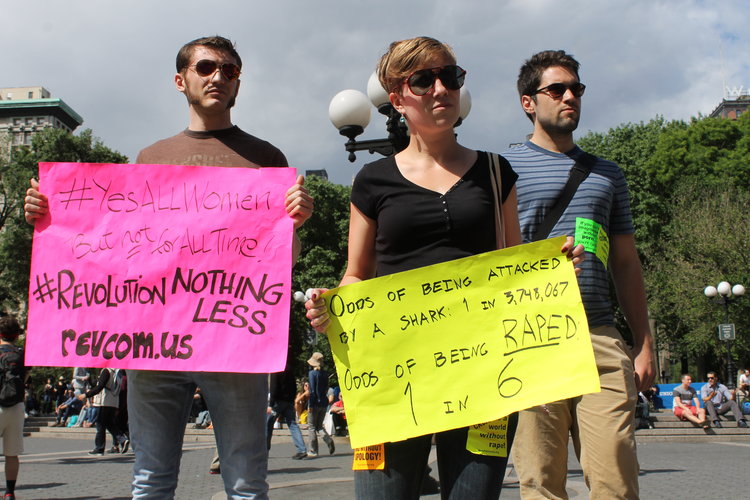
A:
593, 238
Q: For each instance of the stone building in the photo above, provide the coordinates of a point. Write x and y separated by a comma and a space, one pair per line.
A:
25, 111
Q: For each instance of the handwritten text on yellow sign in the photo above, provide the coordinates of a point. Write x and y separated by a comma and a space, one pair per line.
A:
460, 343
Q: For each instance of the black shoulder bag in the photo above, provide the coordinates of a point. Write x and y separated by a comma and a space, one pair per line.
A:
581, 169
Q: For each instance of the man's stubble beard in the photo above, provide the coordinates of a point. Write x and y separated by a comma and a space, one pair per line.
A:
560, 127
195, 101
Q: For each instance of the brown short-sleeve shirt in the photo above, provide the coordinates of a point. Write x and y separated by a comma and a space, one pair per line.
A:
217, 148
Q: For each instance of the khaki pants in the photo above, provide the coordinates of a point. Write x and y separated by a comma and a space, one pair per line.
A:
601, 426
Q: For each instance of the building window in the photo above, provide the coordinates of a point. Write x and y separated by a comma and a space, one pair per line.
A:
31, 95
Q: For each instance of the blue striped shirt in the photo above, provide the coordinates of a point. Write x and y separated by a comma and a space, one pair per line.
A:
601, 198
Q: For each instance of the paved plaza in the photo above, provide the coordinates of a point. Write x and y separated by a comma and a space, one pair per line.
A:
59, 468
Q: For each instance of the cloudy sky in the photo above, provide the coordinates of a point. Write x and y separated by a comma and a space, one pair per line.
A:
113, 62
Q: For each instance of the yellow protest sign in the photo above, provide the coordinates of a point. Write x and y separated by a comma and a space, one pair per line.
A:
460, 343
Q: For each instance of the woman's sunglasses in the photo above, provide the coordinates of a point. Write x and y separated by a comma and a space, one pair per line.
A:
421, 82
207, 67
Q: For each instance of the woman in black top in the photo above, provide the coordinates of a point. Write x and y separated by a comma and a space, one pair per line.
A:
430, 203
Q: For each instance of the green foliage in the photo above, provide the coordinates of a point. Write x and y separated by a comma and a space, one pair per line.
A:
320, 264
708, 237
632, 147
689, 185
715, 150
58, 145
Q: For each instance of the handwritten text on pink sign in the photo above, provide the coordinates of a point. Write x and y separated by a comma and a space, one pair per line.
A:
161, 267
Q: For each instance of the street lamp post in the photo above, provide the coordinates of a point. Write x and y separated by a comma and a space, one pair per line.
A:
312, 335
723, 294
350, 109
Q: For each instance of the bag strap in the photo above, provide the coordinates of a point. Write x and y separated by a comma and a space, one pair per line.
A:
497, 193
581, 169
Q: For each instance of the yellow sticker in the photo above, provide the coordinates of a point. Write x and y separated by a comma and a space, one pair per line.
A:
490, 438
594, 239
369, 458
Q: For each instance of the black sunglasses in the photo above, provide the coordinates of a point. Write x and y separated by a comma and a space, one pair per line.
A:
207, 67
557, 90
421, 82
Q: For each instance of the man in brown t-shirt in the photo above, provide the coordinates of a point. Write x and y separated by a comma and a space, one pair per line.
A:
208, 71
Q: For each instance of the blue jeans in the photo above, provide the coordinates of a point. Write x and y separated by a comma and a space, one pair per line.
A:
92, 415
203, 418
463, 475
159, 404
284, 410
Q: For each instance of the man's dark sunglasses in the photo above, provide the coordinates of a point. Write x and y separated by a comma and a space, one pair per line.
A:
207, 67
421, 82
557, 90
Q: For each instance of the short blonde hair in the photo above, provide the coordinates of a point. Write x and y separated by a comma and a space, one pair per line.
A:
406, 56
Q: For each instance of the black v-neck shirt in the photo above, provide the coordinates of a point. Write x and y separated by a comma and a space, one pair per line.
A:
418, 227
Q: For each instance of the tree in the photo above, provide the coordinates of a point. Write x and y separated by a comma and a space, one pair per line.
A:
632, 146
658, 156
673, 170
15, 234
714, 150
321, 262
708, 242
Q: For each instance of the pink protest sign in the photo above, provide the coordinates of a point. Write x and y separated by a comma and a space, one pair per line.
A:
161, 267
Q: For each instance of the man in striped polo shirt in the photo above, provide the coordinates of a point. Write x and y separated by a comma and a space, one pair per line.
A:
601, 424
